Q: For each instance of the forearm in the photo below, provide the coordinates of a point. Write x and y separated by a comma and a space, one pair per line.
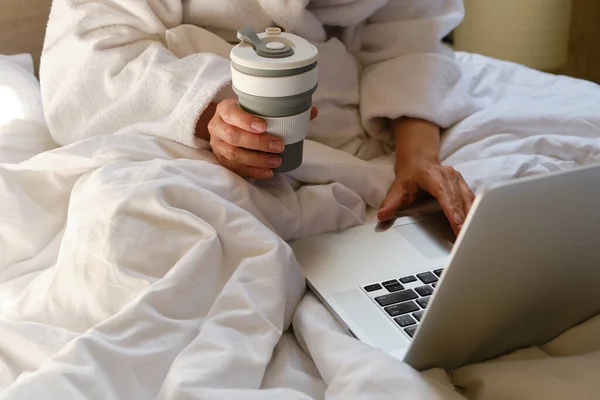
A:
416, 141
111, 54
406, 68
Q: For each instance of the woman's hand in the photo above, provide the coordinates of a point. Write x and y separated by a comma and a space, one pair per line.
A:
414, 181
419, 173
238, 141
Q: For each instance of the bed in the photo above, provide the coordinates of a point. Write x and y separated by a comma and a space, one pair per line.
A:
115, 286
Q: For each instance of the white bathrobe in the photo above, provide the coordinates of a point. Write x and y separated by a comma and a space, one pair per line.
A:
153, 66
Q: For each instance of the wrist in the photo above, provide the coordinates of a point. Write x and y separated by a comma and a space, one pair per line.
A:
417, 143
416, 163
408, 122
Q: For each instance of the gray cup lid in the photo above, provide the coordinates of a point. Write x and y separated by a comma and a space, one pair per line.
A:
265, 49
272, 50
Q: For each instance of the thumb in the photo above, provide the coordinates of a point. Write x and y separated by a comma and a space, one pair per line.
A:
391, 203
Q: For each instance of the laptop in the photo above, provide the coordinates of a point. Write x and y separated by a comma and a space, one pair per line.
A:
525, 268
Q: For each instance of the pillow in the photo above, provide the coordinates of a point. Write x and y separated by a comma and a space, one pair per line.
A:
20, 96
23, 131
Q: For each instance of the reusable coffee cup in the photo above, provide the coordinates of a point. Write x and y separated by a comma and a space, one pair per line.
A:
274, 75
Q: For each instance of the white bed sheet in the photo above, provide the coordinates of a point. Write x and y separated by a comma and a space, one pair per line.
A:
134, 268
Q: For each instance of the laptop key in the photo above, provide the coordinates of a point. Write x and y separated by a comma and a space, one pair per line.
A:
373, 287
394, 288
405, 320
388, 283
438, 271
408, 279
411, 330
418, 315
424, 290
423, 301
402, 308
427, 277
396, 297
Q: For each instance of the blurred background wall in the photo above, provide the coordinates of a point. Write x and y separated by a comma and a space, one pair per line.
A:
559, 36
584, 44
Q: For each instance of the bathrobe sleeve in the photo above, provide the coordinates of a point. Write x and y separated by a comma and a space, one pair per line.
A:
106, 66
407, 70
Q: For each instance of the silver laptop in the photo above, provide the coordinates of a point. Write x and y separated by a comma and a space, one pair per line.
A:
525, 268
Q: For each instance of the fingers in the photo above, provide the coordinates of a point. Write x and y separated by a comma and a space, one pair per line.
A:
402, 194
467, 195
239, 141
439, 189
238, 137
233, 115
314, 112
240, 144
243, 156
245, 171
241, 129
392, 203
452, 178
443, 185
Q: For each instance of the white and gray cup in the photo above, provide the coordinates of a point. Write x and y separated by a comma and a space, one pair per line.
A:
274, 75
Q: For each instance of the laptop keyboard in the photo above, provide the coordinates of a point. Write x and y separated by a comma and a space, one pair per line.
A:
405, 299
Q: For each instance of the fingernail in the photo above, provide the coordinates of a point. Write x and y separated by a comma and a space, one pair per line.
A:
276, 145
458, 219
274, 162
258, 126
268, 174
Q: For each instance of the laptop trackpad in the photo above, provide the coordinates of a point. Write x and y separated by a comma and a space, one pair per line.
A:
370, 320
432, 237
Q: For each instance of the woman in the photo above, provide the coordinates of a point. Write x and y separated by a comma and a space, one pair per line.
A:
387, 78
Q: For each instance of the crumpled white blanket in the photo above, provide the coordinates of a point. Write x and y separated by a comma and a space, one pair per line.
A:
132, 267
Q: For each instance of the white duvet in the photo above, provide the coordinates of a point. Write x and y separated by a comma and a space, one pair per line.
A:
132, 267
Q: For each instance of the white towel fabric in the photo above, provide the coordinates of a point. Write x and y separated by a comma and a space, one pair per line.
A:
142, 67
